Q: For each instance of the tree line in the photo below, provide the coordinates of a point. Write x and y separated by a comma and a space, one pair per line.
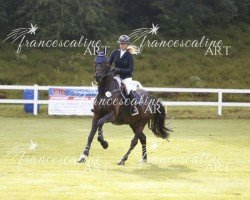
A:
61, 19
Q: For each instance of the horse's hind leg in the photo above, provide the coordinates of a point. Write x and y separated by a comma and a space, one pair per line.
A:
107, 118
133, 143
137, 128
142, 138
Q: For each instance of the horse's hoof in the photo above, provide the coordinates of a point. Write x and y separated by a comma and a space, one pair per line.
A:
100, 138
122, 162
144, 160
105, 144
82, 159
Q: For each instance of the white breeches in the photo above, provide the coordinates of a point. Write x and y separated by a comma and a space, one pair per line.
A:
127, 82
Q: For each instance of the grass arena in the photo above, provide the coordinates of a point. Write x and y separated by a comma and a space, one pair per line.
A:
125, 100
205, 159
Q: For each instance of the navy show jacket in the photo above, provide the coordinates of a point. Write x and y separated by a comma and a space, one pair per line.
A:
125, 63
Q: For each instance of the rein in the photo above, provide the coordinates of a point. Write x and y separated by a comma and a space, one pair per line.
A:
110, 73
106, 84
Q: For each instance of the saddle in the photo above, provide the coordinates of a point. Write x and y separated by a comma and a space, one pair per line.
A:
123, 91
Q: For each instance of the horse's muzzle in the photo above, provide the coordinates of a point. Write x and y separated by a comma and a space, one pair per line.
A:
98, 78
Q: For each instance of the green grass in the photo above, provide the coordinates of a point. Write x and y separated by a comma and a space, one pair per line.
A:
176, 112
164, 67
205, 159
155, 67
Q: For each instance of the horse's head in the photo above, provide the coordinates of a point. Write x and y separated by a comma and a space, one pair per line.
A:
102, 67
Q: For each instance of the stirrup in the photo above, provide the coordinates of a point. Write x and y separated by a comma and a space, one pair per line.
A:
134, 109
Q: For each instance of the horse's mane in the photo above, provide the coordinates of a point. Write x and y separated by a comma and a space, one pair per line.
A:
103, 85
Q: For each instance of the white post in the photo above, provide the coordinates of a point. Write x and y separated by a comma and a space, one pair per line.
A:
220, 103
35, 99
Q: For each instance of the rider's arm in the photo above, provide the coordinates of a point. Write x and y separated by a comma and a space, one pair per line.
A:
111, 58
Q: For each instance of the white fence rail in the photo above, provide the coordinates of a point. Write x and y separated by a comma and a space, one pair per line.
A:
219, 104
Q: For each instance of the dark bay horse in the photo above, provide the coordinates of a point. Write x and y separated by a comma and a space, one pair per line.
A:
111, 106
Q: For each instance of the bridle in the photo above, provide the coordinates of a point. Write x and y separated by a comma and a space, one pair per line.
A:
105, 75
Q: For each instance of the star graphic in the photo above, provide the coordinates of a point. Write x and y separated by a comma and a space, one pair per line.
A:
93, 84
153, 146
32, 146
154, 29
32, 29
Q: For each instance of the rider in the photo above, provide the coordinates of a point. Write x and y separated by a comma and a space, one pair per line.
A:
124, 66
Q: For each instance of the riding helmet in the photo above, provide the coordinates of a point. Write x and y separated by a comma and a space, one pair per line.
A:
124, 39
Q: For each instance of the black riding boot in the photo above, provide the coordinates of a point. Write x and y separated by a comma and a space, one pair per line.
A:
134, 111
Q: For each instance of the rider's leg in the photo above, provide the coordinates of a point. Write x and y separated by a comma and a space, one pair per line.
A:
118, 79
128, 84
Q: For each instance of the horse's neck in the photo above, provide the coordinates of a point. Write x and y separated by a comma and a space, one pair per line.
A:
107, 84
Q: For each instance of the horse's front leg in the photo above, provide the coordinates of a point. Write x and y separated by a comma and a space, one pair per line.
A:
90, 138
110, 117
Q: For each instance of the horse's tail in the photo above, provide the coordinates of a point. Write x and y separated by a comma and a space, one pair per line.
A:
157, 123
